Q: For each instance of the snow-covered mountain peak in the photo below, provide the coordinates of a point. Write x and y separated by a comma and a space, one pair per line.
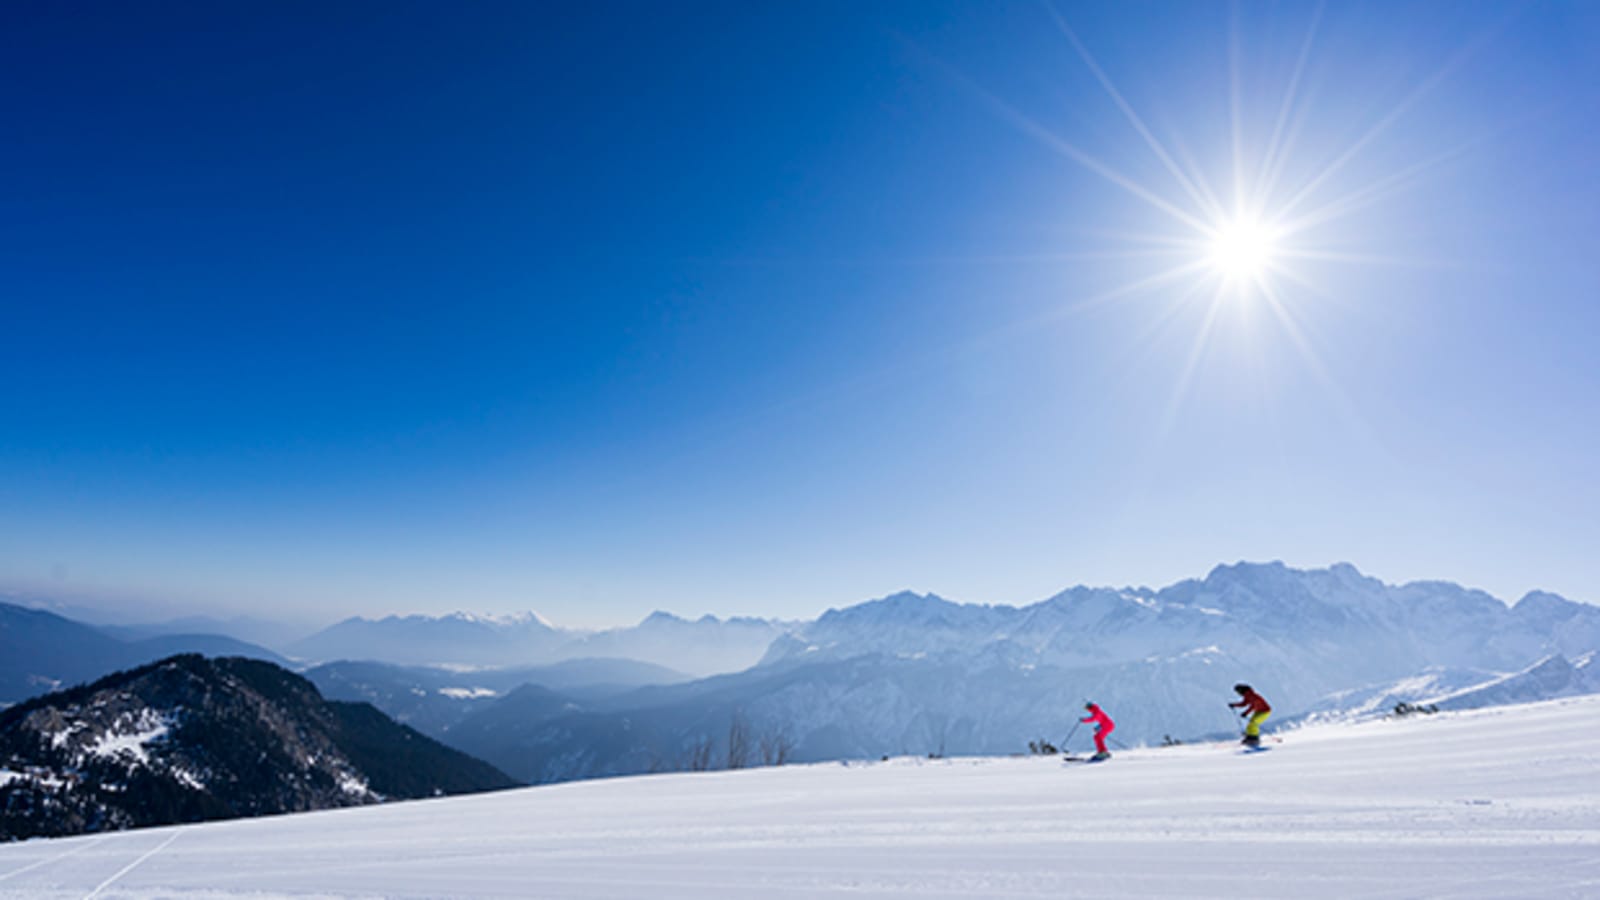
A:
524, 619
1081, 594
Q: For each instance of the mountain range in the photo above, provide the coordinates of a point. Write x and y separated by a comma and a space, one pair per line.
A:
919, 674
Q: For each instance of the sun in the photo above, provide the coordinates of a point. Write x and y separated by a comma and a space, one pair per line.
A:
1260, 237
1243, 249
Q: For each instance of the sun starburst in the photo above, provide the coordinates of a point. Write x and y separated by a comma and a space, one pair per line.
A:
1243, 249
1273, 240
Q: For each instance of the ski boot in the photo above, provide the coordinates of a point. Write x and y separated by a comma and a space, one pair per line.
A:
1251, 740
1102, 756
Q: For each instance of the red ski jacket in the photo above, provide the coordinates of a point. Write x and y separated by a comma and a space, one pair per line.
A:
1253, 702
1099, 718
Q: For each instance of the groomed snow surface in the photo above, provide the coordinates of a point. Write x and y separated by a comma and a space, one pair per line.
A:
1500, 802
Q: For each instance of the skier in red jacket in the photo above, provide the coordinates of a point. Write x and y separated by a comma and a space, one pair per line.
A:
1255, 709
1102, 726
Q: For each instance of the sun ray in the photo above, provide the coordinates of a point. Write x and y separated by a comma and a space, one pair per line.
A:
1139, 286
1369, 259
1319, 370
1235, 112
1198, 173
1187, 243
1372, 193
1060, 145
1207, 204
1280, 143
1029, 324
1180, 390
1022, 258
1306, 287
1148, 336
1428, 85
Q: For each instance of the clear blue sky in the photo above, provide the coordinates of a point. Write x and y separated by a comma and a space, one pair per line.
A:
317, 309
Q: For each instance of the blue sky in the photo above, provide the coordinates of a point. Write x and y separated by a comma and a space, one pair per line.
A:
765, 308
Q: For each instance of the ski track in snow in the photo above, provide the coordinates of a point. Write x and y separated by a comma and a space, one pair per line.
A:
1500, 802
81, 845
100, 888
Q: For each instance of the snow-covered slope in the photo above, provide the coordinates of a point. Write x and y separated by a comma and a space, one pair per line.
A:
1501, 802
1551, 677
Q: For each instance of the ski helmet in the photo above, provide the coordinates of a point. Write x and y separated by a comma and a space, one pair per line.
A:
1242, 688
1088, 706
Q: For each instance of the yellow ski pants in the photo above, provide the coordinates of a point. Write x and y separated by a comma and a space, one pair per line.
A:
1254, 728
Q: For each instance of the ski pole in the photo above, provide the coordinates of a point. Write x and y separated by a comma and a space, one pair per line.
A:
1069, 736
1236, 723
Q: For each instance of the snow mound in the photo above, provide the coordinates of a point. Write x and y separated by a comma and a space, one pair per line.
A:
129, 736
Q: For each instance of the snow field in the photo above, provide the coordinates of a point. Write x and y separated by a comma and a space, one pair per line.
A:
1501, 802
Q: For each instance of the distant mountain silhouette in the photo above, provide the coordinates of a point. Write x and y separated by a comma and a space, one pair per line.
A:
260, 632
702, 646
42, 652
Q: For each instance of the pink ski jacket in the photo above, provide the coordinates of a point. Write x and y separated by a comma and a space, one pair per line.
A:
1099, 718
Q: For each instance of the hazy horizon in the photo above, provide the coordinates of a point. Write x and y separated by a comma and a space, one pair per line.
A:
101, 612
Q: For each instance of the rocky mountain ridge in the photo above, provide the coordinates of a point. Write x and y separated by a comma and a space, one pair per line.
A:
190, 739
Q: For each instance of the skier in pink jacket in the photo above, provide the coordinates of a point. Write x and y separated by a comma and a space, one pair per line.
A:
1103, 726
